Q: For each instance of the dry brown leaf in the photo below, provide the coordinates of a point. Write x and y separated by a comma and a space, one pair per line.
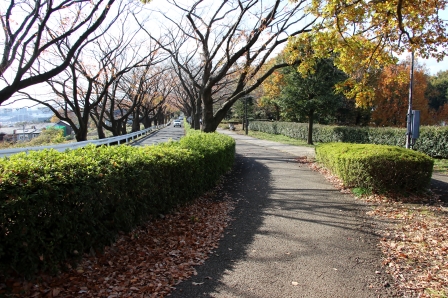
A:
415, 246
147, 262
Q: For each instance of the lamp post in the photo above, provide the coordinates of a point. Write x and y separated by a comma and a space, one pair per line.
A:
246, 118
409, 115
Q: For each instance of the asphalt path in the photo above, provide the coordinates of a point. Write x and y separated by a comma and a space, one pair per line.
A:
293, 234
161, 136
439, 185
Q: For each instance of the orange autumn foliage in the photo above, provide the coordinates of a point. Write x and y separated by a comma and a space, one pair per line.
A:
442, 114
392, 96
273, 85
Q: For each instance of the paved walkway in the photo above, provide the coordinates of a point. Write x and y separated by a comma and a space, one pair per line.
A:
439, 185
294, 234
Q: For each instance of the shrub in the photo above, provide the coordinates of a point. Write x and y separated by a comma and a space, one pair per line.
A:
380, 168
54, 206
433, 141
48, 136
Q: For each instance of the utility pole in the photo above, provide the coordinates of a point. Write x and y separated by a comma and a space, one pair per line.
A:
409, 115
246, 118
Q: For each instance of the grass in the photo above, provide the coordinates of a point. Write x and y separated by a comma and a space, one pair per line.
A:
441, 165
360, 191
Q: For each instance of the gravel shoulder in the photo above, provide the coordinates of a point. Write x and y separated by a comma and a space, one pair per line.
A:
293, 234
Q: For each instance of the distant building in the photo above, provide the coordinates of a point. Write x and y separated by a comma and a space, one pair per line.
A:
65, 126
5, 111
22, 135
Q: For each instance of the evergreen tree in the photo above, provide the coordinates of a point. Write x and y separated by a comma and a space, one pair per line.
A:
312, 97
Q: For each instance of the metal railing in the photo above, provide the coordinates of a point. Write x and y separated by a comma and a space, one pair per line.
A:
62, 147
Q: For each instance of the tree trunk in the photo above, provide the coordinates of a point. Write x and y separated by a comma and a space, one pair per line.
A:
136, 121
99, 128
277, 113
208, 121
101, 134
123, 128
197, 114
81, 134
192, 117
214, 120
115, 128
161, 118
310, 127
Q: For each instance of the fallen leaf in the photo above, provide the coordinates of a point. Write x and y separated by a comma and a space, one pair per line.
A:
56, 292
149, 265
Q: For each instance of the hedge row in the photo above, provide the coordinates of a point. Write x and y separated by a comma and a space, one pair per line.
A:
432, 141
379, 168
54, 206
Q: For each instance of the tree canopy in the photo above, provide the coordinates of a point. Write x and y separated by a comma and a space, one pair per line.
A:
392, 92
366, 35
305, 97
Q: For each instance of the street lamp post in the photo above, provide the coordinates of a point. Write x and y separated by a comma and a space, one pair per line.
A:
246, 118
409, 115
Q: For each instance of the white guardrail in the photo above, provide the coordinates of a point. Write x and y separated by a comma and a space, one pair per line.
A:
62, 147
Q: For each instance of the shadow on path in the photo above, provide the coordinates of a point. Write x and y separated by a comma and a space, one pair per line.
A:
439, 185
248, 185
293, 235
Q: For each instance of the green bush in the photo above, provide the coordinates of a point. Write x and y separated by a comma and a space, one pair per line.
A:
433, 140
380, 168
54, 206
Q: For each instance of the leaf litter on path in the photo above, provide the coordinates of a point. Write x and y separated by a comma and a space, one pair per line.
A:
415, 242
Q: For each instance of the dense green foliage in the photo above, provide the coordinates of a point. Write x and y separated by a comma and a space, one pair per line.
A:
379, 168
437, 90
55, 206
48, 136
433, 141
305, 97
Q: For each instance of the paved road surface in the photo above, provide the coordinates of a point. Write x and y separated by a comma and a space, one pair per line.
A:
160, 136
439, 185
294, 234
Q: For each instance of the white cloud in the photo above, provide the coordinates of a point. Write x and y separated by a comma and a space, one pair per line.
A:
433, 66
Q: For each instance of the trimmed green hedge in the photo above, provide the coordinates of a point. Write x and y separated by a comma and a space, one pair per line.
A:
433, 140
55, 206
380, 168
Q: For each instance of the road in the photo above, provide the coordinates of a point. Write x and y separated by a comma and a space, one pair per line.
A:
161, 136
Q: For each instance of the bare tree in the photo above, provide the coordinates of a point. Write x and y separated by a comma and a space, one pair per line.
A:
232, 40
134, 96
186, 91
158, 91
92, 78
32, 29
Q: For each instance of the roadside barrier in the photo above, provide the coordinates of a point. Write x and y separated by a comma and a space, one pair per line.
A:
106, 141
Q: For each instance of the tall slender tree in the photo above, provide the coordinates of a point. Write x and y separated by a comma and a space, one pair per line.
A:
304, 97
